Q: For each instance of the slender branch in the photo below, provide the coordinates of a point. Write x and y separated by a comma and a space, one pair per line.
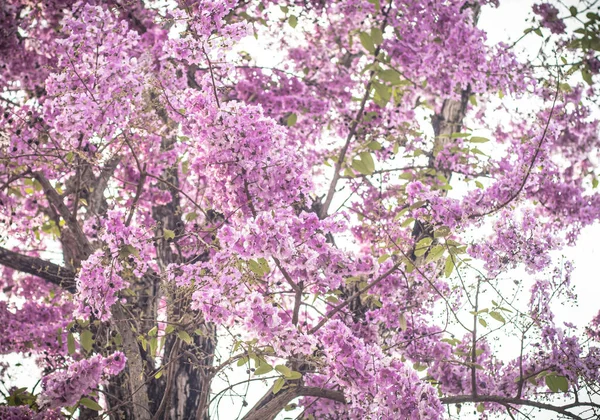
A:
460, 399
384, 171
474, 339
287, 276
351, 134
297, 303
179, 190
212, 76
528, 172
13, 179
96, 200
138, 193
352, 297
56, 201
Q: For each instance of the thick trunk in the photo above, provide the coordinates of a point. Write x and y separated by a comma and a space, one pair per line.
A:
189, 384
183, 392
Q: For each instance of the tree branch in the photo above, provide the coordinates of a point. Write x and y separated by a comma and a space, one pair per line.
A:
96, 200
352, 297
351, 133
55, 274
460, 399
56, 201
269, 409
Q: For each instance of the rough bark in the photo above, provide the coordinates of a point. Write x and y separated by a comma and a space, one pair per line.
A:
138, 389
61, 276
185, 388
272, 404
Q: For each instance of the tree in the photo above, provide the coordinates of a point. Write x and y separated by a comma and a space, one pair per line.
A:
344, 227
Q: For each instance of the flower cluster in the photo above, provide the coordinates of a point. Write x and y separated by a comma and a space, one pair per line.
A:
66, 388
550, 19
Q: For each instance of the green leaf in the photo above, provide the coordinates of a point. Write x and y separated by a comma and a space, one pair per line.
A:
294, 375
435, 253
383, 258
587, 76
284, 370
367, 42
367, 159
406, 175
424, 243
573, 10
293, 21
126, 250
87, 341
255, 267
259, 267
390, 75
278, 385
377, 36
376, 3
143, 342
168, 234
473, 100
498, 316
556, 382
153, 331
449, 266
459, 135
538, 32
264, 265
191, 216
70, 343
91, 404
384, 92
419, 367
361, 167
441, 231
407, 222
480, 408
291, 120
402, 322
184, 336
374, 145
565, 87
242, 361
263, 368
482, 322
365, 164
551, 383
563, 384
153, 346
158, 374
332, 299
478, 139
